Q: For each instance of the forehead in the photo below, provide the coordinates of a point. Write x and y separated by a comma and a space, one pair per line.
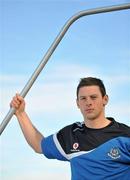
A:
89, 90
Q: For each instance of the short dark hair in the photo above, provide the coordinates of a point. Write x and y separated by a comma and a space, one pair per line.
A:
92, 81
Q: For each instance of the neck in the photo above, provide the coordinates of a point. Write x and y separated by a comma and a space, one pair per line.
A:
97, 123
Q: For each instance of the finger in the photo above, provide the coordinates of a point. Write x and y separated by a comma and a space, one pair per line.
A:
20, 98
14, 105
16, 100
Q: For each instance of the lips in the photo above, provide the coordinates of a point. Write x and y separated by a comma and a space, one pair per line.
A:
89, 110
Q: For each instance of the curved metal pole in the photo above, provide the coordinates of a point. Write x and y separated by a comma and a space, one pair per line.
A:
52, 49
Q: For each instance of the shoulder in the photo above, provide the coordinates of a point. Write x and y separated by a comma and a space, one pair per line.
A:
122, 128
120, 125
69, 133
68, 136
72, 128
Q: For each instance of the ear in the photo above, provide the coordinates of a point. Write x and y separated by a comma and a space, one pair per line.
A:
105, 100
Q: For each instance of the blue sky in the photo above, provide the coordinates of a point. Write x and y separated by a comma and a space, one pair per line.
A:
97, 45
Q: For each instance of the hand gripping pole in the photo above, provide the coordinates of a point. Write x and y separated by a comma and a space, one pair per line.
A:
52, 49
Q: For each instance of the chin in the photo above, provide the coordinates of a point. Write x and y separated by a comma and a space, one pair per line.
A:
91, 117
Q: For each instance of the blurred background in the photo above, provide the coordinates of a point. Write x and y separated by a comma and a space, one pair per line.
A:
96, 45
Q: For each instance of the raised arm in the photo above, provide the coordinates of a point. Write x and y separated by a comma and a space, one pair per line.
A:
31, 134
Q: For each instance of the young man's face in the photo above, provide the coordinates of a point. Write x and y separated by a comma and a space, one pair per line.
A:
91, 103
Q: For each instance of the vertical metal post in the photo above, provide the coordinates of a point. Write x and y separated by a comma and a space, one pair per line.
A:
52, 49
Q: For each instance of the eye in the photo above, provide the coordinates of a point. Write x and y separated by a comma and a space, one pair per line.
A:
82, 98
93, 97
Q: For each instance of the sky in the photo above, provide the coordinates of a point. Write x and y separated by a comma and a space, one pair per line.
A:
96, 45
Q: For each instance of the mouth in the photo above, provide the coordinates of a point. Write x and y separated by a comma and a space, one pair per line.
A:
89, 110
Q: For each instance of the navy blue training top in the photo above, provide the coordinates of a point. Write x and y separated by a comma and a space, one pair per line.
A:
94, 154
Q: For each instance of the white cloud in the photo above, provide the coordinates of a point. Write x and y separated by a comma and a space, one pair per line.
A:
56, 93
118, 80
48, 93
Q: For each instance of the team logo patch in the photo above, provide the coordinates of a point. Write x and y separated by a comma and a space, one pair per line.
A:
114, 153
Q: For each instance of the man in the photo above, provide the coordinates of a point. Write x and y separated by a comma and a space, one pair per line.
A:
97, 148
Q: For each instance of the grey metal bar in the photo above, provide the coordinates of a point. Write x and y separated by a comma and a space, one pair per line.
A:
52, 49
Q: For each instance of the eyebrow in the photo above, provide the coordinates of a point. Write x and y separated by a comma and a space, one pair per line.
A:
92, 95
89, 95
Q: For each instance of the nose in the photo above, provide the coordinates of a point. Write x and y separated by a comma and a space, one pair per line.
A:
88, 102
